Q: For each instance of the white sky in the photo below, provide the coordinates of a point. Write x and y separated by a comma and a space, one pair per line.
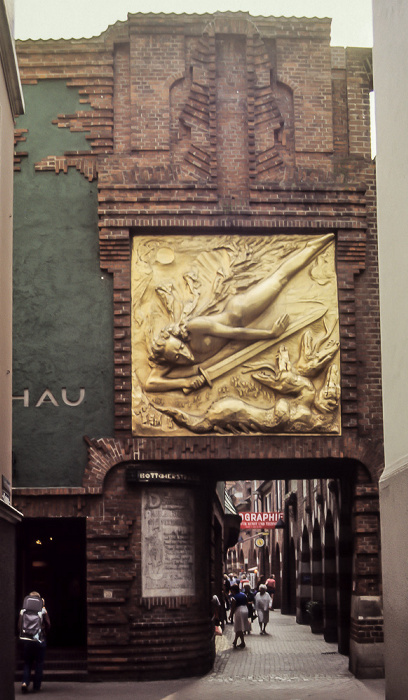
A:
56, 19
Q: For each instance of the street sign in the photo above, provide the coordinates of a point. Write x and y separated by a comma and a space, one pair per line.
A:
259, 521
146, 474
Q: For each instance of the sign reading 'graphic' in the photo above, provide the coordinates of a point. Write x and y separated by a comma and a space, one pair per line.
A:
257, 521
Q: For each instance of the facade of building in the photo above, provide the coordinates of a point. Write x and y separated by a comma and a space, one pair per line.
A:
390, 73
259, 550
11, 105
196, 301
308, 550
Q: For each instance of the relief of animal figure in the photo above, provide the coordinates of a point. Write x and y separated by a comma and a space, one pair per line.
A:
313, 356
284, 380
327, 399
300, 409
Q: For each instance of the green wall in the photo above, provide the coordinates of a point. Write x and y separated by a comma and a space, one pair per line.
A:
63, 305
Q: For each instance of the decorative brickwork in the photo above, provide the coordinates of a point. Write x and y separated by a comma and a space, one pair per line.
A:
89, 69
19, 138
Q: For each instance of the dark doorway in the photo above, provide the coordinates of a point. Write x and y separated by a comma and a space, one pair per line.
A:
51, 560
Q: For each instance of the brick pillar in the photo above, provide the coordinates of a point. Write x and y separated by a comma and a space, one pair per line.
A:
232, 128
366, 635
305, 591
358, 101
149, 87
330, 582
132, 630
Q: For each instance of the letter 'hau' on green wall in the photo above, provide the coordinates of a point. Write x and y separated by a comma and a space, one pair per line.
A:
47, 397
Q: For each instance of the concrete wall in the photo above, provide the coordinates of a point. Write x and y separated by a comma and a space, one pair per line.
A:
391, 89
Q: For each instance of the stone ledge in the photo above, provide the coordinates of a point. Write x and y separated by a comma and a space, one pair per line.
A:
367, 660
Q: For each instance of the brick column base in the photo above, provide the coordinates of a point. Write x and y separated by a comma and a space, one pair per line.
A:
367, 641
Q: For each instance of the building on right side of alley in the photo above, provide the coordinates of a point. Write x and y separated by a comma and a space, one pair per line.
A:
390, 66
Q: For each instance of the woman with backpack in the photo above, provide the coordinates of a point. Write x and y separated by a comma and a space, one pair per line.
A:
33, 624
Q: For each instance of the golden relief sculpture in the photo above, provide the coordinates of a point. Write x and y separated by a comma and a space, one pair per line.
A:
235, 334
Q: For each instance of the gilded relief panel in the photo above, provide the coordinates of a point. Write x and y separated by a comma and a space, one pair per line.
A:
235, 334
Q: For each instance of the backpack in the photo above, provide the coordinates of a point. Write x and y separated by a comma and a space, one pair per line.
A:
31, 619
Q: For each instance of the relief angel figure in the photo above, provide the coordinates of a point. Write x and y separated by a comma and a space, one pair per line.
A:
200, 336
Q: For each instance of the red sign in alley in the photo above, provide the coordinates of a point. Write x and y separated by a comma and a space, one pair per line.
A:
260, 520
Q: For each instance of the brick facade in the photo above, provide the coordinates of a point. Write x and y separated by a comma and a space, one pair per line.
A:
173, 149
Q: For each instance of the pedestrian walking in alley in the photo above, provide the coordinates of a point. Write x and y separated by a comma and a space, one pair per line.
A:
33, 625
271, 586
226, 597
263, 604
244, 580
232, 578
239, 614
216, 610
250, 602
261, 579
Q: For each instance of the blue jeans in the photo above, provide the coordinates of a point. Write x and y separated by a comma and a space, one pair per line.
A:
33, 657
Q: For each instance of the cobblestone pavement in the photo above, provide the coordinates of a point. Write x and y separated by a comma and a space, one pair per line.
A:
288, 652
290, 663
